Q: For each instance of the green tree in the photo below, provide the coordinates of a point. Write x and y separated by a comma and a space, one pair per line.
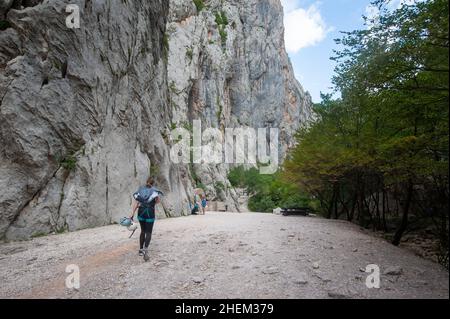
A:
382, 148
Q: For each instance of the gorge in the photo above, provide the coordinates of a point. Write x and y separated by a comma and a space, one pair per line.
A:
85, 114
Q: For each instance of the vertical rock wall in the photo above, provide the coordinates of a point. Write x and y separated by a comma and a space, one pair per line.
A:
81, 114
85, 113
228, 67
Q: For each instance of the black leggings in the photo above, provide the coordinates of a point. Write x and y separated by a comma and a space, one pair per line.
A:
146, 234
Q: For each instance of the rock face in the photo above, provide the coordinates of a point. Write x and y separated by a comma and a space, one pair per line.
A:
82, 111
85, 113
228, 67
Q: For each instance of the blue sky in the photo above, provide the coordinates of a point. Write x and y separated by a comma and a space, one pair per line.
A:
311, 27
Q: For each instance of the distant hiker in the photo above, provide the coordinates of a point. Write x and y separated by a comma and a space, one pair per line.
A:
145, 200
196, 207
204, 203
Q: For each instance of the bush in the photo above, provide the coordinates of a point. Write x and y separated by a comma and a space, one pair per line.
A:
219, 186
294, 201
236, 177
189, 53
199, 4
200, 185
261, 203
221, 18
69, 163
267, 191
223, 36
222, 22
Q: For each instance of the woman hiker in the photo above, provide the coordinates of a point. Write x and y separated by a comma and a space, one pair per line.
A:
196, 207
197, 202
144, 200
204, 203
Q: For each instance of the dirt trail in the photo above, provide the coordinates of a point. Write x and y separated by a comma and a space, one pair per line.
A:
220, 255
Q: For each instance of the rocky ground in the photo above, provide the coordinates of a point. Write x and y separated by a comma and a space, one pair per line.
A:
220, 255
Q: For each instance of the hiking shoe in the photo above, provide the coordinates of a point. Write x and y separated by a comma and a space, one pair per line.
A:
146, 255
141, 252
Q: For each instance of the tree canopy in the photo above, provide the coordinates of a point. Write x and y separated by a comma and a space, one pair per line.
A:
378, 155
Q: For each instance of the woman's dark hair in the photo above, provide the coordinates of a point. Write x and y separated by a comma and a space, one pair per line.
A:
150, 181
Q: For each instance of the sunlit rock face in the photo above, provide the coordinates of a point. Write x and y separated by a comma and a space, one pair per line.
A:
228, 67
85, 114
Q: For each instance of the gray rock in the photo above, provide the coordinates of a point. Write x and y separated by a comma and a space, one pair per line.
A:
302, 279
161, 263
85, 138
198, 280
315, 265
418, 283
224, 82
393, 271
85, 117
270, 271
336, 294
322, 277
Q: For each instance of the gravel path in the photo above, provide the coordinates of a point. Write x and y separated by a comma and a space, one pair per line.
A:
220, 255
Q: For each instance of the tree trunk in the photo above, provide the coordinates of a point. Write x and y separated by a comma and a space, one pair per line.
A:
332, 203
384, 210
352, 214
336, 214
377, 199
404, 223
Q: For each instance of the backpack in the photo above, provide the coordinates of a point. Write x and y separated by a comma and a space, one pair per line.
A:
146, 196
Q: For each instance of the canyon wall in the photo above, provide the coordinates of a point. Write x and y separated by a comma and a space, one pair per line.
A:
85, 114
228, 67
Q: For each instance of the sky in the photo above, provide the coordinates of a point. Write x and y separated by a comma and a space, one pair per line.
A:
310, 29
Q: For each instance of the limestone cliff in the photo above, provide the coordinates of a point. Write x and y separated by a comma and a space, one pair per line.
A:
84, 113
228, 67
81, 114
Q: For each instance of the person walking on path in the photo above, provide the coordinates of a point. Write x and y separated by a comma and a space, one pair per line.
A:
144, 201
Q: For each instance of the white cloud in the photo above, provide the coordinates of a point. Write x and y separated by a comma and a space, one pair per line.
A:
397, 4
373, 13
290, 5
303, 27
